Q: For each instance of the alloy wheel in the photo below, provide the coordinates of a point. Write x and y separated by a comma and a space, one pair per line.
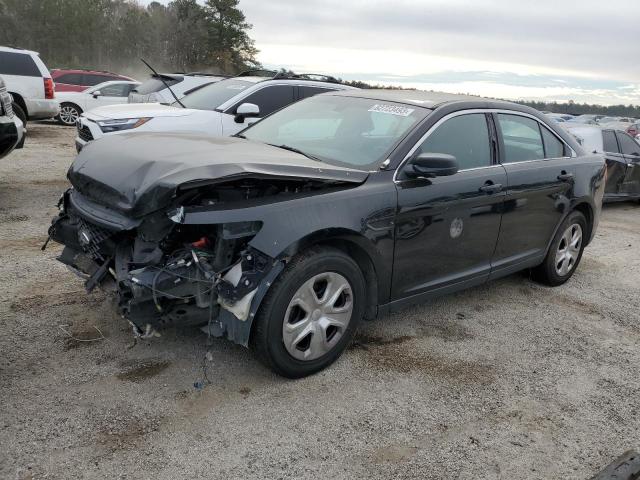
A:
69, 115
568, 250
317, 316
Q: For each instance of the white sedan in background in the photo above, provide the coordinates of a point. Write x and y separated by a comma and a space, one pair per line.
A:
72, 104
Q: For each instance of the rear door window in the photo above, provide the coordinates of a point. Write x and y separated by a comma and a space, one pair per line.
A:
628, 145
609, 142
12, 63
269, 99
521, 138
466, 137
116, 90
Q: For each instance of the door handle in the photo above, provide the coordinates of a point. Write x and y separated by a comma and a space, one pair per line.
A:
491, 187
565, 177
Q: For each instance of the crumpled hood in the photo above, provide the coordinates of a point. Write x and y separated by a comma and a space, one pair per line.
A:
138, 173
136, 110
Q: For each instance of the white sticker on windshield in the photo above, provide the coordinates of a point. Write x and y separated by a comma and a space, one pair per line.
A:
392, 109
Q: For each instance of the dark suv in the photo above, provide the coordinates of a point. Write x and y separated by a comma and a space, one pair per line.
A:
340, 207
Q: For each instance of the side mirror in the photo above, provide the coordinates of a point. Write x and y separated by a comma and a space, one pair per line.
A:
246, 110
430, 165
96, 94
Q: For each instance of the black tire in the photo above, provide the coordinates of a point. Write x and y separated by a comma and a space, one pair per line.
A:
547, 272
267, 338
17, 109
68, 109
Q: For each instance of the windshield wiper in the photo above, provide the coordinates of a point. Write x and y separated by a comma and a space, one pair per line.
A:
295, 150
239, 135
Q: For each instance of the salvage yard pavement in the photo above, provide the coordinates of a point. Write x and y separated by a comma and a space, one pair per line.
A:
508, 380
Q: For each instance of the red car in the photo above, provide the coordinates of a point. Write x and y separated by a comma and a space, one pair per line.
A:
79, 80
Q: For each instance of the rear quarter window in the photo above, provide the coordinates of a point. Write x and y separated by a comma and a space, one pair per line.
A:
12, 63
553, 148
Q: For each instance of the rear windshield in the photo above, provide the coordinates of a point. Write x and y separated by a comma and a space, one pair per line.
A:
214, 95
12, 63
154, 84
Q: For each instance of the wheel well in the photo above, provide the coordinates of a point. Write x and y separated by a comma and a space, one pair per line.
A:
20, 101
367, 267
585, 209
74, 104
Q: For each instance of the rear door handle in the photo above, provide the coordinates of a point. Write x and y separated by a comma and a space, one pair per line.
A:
565, 177
491, 188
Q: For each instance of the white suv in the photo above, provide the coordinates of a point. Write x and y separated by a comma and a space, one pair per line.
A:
30, 84
221, 109
154, 90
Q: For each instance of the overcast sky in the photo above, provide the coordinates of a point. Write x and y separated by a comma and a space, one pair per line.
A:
585, 50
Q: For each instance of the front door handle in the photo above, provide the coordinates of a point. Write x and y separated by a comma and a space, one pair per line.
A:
565, 177
491, 187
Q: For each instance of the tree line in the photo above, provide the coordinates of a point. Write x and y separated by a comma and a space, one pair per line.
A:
585, 108
115, 34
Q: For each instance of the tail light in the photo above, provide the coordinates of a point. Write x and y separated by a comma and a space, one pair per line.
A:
633, 130
49, 89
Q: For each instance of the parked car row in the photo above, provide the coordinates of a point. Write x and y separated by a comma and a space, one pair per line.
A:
222, 108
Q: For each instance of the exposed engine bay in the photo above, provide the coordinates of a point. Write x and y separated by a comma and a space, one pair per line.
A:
168, 273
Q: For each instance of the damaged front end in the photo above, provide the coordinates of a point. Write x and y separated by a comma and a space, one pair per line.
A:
191, 230
165, 273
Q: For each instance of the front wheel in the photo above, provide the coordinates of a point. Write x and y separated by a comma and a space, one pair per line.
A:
20, 113
565, 252
69, 114
310, 314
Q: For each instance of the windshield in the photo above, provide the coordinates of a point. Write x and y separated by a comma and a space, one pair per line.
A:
344, 131
214, 95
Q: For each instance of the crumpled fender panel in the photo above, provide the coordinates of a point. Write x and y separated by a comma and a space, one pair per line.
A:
365, 213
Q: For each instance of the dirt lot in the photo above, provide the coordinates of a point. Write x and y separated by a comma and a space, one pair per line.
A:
510, 380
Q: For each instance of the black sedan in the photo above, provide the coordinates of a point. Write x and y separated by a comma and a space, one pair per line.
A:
342, 207
622, 154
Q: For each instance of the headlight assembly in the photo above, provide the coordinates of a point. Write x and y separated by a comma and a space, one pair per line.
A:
108, 126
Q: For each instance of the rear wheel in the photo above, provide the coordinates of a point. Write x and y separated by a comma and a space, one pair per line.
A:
69, 114
310, 313
565, 252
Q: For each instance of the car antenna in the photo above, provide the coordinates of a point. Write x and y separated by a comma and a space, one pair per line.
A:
165, 83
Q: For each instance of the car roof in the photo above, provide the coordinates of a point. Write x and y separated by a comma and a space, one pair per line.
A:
82, 70
112, 82
431, 100
18, 50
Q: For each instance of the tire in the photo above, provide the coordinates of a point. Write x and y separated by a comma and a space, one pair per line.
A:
291, 324
558, 267
69, 113
17, 109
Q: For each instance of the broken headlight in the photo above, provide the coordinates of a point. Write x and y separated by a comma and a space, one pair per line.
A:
108, 126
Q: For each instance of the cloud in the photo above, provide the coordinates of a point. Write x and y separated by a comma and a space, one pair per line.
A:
544, 49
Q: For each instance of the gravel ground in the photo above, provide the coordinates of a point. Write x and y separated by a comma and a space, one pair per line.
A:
508, 380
